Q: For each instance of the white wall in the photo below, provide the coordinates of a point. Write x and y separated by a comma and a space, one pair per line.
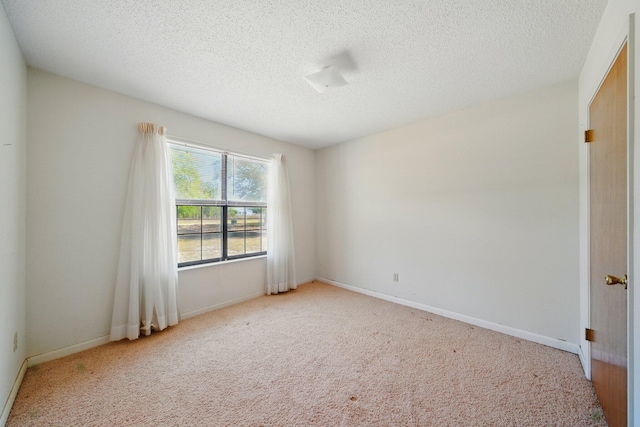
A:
476, 210
611, 33
13, 119
81, 140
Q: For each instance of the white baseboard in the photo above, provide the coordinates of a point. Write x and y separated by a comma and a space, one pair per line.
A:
12, 394
586, 363
76, 348
218, 306
518, 333
66, 351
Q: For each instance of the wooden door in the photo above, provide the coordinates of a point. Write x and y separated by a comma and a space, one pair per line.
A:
608, 241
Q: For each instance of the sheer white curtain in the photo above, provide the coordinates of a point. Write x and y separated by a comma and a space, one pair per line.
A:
281, 268
146, 287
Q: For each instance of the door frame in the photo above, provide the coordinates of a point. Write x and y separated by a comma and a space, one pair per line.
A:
633, 191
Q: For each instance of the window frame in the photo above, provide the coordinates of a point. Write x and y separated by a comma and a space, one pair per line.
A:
225, 205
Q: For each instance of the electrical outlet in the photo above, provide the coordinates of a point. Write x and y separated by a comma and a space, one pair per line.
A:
15, 342
396, 277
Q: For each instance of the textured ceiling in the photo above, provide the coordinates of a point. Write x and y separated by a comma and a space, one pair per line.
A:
242, 63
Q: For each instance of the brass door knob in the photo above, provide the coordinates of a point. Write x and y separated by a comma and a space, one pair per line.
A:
613, 280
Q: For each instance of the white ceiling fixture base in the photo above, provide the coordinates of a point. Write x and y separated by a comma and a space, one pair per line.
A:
328, 77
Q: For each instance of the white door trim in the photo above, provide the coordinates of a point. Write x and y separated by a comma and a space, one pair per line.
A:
633, 191
585, 346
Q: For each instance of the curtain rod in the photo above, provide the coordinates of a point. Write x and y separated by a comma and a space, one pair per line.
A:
197, 144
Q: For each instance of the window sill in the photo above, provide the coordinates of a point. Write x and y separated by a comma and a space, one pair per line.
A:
213, 264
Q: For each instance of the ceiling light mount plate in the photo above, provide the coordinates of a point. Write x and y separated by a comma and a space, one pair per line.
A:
327, 78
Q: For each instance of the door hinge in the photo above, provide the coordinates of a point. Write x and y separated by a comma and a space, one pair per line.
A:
589, 334
588, 135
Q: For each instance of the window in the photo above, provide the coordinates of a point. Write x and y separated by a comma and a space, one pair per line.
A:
221, 205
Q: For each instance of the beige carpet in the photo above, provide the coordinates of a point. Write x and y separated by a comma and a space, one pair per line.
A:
317, 356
